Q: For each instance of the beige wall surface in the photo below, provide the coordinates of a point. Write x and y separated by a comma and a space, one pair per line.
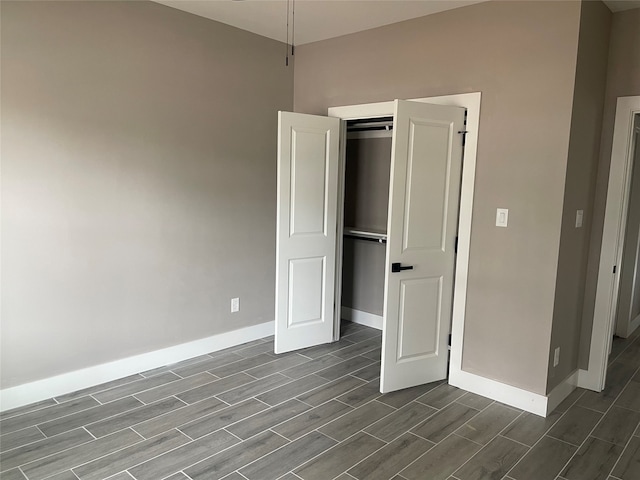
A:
138, 181
584, 148
623, 79
522, 57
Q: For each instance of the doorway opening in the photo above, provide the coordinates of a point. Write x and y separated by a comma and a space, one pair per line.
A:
613, 239
365, 213
627, 316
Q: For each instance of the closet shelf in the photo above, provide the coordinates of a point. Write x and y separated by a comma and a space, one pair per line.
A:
365, 235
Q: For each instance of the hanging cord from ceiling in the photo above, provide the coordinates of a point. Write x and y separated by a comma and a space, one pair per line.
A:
286, 46
291, 13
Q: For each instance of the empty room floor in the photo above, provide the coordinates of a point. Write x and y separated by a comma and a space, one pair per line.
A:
317, 414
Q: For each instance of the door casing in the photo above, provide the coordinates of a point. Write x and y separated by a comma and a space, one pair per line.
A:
470, 101
611, 250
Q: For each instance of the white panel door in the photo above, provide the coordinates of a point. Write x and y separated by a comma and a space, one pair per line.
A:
308, 148
423, 215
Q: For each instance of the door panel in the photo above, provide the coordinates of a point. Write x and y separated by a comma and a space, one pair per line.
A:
426, 199
423, 212
418, 318
306, 230
309, 162
306, 291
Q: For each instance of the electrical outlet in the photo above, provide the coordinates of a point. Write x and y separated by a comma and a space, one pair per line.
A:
235, 305
579, 218
556, 357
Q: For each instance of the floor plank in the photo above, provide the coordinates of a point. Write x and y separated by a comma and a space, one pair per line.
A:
594, 460
238, 456
287, 458
340, 458
442, 460
493, 461
182, 457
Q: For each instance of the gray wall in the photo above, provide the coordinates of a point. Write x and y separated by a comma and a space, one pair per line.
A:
623, 79
138, 181
522, 57
584, 147
363, 271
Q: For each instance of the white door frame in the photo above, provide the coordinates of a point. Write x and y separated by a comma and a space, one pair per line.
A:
612, 239
470, 101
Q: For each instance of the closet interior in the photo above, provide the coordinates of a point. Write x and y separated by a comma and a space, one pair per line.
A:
366, 202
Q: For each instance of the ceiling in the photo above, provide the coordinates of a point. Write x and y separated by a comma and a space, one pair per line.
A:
321, 19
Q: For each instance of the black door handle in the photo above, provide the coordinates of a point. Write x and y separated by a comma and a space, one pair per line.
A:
397, 267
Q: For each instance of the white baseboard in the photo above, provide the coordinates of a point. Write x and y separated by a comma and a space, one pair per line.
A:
588, 380
88, 377
362, 318
562, 391
635, 323
501, 392
531, 402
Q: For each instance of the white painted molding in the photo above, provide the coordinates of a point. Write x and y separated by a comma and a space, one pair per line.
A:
88, 377
562, 391
472, 103
501, 392
516, 397
367, 110
635, 323
362, 318
586, 381
612, 239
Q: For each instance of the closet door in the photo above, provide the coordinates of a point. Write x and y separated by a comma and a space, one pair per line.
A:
308, 149
423, 215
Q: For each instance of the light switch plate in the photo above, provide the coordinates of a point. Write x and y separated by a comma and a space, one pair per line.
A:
502, 217
579, 217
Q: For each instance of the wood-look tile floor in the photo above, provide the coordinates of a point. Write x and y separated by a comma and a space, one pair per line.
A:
317, 414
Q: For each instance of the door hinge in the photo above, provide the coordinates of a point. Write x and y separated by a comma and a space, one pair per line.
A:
464, 136
456, 245
615, 268
449, 339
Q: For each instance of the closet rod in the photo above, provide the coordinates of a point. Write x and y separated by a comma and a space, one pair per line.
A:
369, 126
364, 235
385, 123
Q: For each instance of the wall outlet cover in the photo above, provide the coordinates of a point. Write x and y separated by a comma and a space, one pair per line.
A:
235, 305
502, 217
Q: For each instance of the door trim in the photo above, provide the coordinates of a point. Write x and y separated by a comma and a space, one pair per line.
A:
611, 251
470, 101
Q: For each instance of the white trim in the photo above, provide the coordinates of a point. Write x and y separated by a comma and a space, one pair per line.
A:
337, 299
367, 110
585, 380
362, 318
88, 377
562, 391
501, 392
611, 251
635, 323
